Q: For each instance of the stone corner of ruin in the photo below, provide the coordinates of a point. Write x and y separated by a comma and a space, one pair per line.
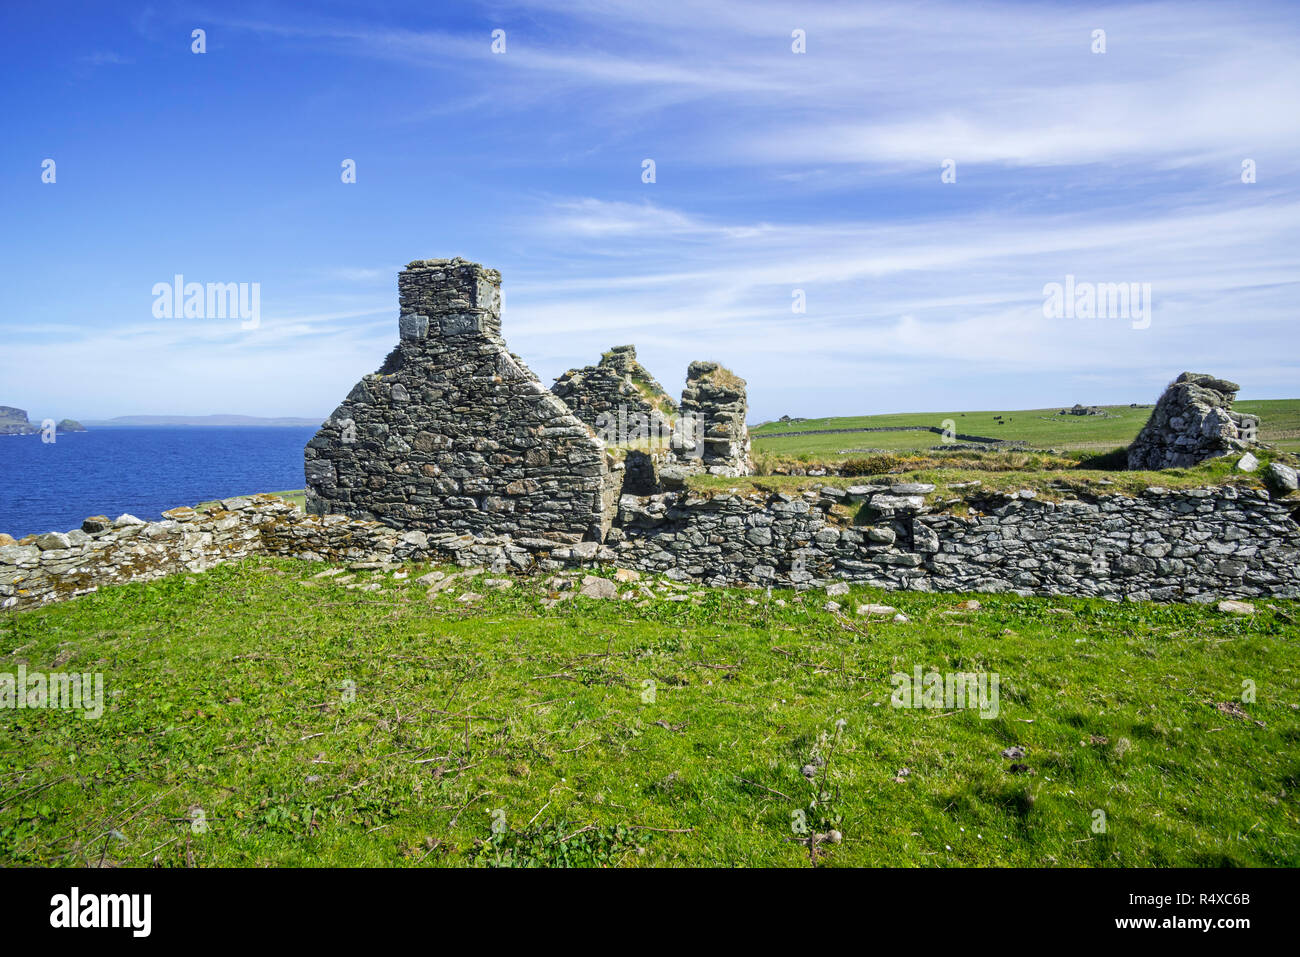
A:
1193, 421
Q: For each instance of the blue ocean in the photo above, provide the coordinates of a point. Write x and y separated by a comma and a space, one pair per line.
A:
144, 471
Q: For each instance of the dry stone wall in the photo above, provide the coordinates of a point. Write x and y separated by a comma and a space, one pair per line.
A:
1186, 545
59, 565
455, 433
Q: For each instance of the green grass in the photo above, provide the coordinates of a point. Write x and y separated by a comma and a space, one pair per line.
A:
1279, 421
225, 694
1040, 428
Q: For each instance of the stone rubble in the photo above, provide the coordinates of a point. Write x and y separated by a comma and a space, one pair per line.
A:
1283, 477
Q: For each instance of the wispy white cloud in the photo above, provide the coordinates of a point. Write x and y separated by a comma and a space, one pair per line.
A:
196, 366
880, 85
777, 171
962, 295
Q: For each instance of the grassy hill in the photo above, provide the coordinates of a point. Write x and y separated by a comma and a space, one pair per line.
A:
230, 736
1040, 428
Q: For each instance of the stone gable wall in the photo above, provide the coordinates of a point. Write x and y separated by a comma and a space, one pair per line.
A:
454, 432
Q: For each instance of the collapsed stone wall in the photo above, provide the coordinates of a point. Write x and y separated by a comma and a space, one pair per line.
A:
59, 565
455, 432
708, 433
62, 565
619, 387
710, 436
1193, 421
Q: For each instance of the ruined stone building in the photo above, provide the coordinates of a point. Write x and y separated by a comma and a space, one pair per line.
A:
454, 433
454, 452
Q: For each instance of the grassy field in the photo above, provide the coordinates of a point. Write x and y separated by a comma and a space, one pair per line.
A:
257, 715
1053, 479
1040, 428
260, 715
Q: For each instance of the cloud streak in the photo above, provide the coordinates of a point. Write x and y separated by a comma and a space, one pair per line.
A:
777, 171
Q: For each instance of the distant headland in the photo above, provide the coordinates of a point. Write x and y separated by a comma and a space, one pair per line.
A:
15, 422
204, 420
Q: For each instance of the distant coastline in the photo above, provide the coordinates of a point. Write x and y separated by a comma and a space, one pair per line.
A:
201, 421
15, 422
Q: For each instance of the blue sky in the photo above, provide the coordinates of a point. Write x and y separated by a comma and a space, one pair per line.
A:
775, 171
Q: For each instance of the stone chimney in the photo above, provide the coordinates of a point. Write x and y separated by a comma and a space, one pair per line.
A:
448, 297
